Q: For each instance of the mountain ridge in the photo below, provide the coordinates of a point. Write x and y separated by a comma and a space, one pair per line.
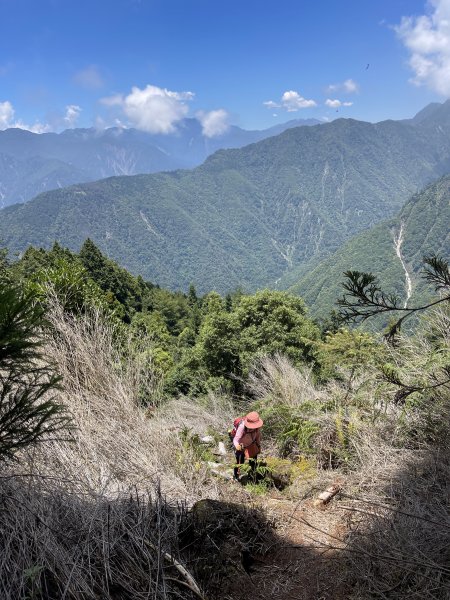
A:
90, 154
246, 217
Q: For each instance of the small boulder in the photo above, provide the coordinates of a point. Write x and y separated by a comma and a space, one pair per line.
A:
207, 439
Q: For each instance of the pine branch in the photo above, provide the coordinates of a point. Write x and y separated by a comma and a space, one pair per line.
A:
365, 298
437, 273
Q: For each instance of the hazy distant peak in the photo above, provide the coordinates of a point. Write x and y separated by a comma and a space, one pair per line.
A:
426, 112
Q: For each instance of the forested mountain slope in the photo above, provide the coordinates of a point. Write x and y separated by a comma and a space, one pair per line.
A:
392, 250
32, 163
247, 216
23, 178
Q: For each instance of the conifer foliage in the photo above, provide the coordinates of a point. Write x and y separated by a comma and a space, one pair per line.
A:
28, 412
364, 298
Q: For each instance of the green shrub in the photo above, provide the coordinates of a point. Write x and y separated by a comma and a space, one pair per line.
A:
192, 444
299, 436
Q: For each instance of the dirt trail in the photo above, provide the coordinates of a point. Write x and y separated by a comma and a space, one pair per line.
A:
304, 566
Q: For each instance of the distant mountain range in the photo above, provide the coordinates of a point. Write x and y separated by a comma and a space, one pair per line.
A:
262, 215
33, 163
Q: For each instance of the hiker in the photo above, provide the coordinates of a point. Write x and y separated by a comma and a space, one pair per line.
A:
247, 441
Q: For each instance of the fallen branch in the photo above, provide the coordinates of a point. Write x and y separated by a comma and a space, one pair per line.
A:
186, 585
190, 581
359, 550
397, 510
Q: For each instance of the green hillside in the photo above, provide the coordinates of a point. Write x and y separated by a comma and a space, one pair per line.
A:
245, 217
425, 225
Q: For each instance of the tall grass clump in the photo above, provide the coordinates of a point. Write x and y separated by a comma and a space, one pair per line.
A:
302, 418
117, 441
57, 544
96, 513
399, 511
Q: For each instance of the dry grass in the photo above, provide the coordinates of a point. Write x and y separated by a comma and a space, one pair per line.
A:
76, 512
275, 379
399, 525
396, 484
399, 508
116, 442
56, 544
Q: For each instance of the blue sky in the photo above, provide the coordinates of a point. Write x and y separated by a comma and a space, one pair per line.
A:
149, 63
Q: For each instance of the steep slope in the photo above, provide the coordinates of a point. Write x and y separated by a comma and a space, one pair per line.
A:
21, 179
246, 216
392, 250
81, 155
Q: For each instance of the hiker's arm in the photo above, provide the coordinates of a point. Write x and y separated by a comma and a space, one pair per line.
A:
239, 435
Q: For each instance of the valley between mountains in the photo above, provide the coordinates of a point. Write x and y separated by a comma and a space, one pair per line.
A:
263, 215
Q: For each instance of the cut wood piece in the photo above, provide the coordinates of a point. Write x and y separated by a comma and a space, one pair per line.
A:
327, 495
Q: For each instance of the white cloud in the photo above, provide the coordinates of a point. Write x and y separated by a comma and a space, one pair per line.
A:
116, 100
152, 109
214, 123
36, 128
291, 101
72, 113
349, 86
89, 78
336, 103
427, 37
7, 120
6, 114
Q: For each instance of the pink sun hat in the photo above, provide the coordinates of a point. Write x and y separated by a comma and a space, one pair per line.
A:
253, 420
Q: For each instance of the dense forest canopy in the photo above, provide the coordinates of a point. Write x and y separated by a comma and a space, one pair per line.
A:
195, 339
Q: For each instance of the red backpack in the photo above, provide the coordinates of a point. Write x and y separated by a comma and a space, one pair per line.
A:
232, 432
